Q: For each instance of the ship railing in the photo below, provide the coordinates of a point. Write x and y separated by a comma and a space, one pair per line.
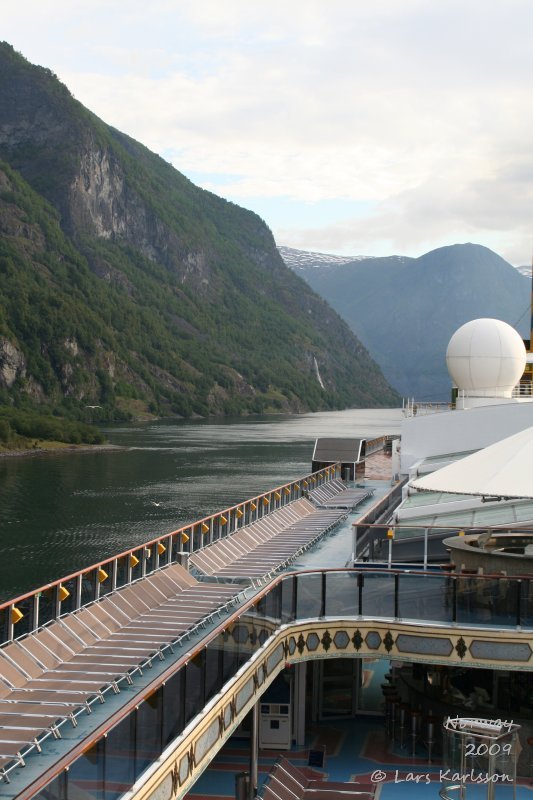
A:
391, 544
523, 389
413, 408
487, 603
28, 612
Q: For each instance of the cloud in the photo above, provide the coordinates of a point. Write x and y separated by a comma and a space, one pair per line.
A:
419, 110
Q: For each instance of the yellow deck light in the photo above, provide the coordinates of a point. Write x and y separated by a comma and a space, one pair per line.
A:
266, 501
133, 561
277, 495
184, 538
287, 490
205, 528
63, 593
161, 548
102, 574
16, 615
296, 486
253, 506
239, 513
390, 534
223, 520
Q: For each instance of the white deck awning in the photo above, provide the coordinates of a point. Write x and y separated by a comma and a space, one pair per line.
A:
504, 469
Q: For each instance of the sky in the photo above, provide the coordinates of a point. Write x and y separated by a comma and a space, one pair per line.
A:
357, 127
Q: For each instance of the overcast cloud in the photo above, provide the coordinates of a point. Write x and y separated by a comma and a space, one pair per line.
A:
351, 127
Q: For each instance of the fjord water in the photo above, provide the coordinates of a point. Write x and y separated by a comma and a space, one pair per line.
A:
65, 511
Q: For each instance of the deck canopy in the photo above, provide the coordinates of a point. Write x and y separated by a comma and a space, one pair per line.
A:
504, 469
348, 451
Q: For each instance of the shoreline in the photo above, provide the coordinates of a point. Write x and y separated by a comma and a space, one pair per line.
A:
60, 450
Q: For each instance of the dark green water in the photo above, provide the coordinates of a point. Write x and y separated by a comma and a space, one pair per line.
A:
62, 512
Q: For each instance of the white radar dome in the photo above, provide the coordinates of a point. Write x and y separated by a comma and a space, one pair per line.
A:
486, 358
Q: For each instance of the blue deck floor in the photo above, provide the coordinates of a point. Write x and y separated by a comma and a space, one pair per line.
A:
357, 750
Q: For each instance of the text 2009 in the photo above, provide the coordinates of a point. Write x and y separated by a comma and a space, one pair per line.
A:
484, 749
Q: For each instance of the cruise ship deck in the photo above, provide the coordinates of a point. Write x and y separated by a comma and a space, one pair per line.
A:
127, 679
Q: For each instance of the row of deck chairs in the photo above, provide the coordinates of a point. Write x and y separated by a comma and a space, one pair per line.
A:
50, 676
287, 782
268, 544
335, 494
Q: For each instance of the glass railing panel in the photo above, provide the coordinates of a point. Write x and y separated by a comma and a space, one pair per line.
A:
47, 606
213, 669
173, 706
105, 585
342, 594
288, 589
149, 558
425, 597
88, 584
273, 603
378, 594
526, 603
230, 655
194, 686
56, 789
486, 601
309, 595
86, 774
119, 763
149, 717
25, 624
69, 603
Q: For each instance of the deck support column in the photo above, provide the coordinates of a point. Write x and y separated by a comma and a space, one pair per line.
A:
298, 702
254, 752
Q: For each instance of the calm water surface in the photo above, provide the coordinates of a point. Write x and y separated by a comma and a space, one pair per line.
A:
62, 512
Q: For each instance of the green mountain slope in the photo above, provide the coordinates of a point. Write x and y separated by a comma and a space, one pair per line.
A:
124, 286
405, 310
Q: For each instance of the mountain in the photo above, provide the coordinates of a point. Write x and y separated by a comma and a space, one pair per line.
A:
300, 259
405, 310
125, 289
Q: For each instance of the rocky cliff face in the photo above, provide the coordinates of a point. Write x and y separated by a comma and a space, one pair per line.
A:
129, 288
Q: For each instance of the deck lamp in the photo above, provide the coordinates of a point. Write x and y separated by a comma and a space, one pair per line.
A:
147, 552
239, 513
133, 560
223, 520
287, 490
277, 495
184, 538
266, 501
296, 486
205, 528
102, 574
305, 484
253, 506
63, 593
161, 548
16, 615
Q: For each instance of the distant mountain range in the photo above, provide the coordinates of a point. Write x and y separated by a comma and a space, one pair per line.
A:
127, 290
405, 310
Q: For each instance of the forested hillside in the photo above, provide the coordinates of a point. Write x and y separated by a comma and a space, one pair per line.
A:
127, 290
